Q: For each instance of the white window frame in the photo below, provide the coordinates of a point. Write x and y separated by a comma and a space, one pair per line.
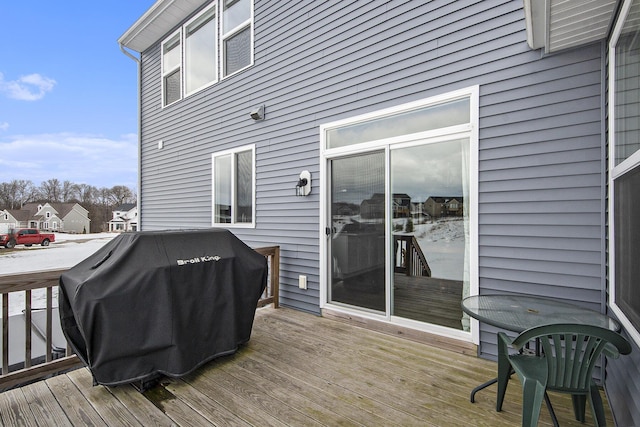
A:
467, 130
616, 171
233, 223
229, 34
211, 9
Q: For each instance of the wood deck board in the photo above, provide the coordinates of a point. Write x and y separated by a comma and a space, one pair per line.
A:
14, 409
297, 369
44, 405
211, 410
74, 404
110, 409
140, 407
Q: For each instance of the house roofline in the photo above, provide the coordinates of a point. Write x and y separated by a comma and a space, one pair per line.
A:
157, 21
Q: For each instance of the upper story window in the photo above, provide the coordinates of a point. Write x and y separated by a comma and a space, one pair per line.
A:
234, 187
200, 44
171, 75
209, 46
237, 35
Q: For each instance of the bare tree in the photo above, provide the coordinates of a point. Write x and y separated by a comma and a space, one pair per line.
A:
51, 190
86, 194
25, 191
16, 193
120, 194
69, 191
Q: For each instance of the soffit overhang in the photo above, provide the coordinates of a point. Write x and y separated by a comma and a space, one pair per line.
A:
156, 22
556, 25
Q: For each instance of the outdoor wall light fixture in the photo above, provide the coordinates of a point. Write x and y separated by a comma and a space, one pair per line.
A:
258, 113
303, 187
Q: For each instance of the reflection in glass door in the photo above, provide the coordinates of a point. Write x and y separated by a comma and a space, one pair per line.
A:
358, 231
400, 187
430, 228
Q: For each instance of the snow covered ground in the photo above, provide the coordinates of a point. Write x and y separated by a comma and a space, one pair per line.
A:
442, 242
67, 251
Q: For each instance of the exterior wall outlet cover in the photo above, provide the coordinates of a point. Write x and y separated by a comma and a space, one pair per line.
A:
302, 282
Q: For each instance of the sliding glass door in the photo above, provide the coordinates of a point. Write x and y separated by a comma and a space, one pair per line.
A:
400, 196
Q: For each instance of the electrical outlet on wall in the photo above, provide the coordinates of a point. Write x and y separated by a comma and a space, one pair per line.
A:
302, 282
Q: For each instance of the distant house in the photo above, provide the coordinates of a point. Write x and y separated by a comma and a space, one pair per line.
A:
125, 218
63, 217
401, 205
375, 206
437, 206
13, 218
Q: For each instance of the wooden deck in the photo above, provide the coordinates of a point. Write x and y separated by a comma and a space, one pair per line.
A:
297, 370
425, 299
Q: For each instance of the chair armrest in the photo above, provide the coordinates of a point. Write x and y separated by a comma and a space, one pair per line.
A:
611, 351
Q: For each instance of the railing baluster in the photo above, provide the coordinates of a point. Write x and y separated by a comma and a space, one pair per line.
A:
49, 324
5, 333
27, 328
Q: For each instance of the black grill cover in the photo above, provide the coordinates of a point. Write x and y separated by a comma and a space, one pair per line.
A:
150, 303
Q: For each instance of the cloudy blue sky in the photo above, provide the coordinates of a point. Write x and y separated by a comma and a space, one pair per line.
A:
68, 95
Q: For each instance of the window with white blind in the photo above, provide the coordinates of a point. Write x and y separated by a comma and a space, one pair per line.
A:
171, 64
237, 25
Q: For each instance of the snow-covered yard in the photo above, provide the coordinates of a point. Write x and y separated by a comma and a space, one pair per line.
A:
67, 251
442, 242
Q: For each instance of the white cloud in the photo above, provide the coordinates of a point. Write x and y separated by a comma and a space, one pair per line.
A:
4, 125
83, 159
31, 87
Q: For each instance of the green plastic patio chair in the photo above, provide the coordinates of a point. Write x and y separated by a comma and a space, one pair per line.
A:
567, 354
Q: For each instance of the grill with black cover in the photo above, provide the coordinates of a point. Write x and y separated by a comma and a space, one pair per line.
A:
160, 303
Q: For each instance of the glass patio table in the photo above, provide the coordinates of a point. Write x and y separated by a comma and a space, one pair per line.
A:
518, 313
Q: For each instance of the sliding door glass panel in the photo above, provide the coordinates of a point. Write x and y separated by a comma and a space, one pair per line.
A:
358, 231
430, 228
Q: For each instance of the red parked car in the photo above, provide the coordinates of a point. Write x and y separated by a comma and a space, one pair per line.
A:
27, 237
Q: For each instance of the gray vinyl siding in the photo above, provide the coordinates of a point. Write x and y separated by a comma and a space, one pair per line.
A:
540, 172
541, 217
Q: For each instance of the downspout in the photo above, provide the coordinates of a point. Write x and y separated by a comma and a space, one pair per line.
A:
139, 62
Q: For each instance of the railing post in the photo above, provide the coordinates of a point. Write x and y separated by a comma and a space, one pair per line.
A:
5, 333
27, 328
409, 257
